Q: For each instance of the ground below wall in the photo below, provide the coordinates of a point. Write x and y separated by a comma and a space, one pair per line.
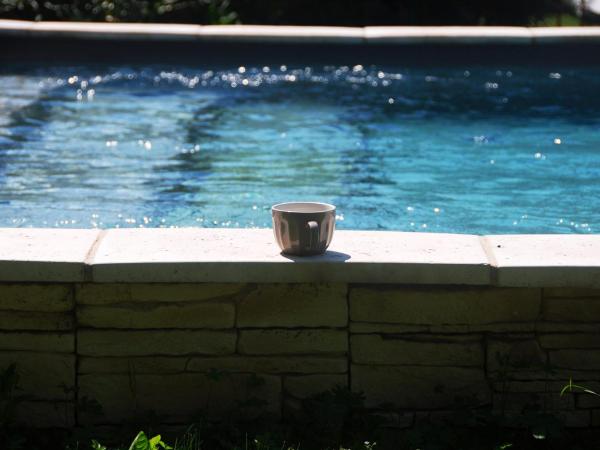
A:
179, 350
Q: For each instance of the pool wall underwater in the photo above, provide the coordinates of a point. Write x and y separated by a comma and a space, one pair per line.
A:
140, 320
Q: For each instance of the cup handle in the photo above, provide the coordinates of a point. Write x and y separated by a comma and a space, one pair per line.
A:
313, 229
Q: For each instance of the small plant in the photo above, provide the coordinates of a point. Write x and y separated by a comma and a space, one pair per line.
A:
97, 445
141, 442
570, 387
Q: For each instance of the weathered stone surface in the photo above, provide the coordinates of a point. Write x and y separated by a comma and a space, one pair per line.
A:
43, 376
586, 400
572, 309
271, 364
572, 340
571, 292
307, 385
42, 321
294, 305
428, 350
177, 398
292, 342
421, 387
153, 315
568, 327
395, 328
551, 373
575, 359
549, 401
40, 342
156, 342
399, 420
133, 364
576, 419
444, 305
533, 386
515, 354
36, 297
596, 417
45, 414
110, 293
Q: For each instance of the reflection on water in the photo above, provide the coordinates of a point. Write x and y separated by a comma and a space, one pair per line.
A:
477, 150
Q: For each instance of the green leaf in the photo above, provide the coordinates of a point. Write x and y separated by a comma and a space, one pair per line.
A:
97, 445
140, 442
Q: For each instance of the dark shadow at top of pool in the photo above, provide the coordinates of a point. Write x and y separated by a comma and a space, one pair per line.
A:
328, 256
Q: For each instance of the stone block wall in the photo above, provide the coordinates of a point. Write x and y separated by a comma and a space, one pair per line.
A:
179, 350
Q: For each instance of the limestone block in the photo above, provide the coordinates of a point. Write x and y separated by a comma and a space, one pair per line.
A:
294, 305
576, 359
529, 401
587, 401
568, 327
428, 350
421, 387
531, 386
40, 342
304, 386
42, 376
158, 315
110, 293
45, 414
577, 419
290, 342
570, 340
395, 328
444, 305
133, 364
155, 342
36, 297
515, 354
572, 309
571, 292
271, 364
596, 417
178, 397
42, 321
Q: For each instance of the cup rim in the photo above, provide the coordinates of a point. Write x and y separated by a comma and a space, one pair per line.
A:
285, 207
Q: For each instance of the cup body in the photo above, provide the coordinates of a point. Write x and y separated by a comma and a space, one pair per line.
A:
303, 228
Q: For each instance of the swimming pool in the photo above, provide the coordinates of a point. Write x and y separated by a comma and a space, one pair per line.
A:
473, 149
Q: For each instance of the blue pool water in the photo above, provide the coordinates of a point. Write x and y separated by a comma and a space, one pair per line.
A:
463, 149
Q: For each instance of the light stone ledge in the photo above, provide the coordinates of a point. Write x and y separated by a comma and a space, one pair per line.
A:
44, 254
251, 255
395, 35
237, 256
551, 260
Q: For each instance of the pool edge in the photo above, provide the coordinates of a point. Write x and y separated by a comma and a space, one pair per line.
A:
218, 255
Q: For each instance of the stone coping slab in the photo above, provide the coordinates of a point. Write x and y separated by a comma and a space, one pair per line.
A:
44, 254
304, 34
251, 255
546, 260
